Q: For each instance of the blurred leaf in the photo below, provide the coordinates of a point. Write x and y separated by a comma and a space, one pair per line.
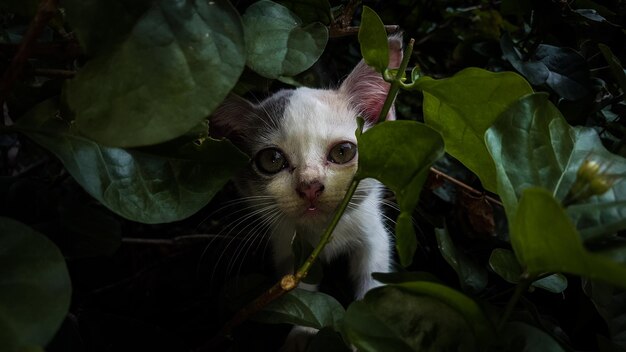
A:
404, 276
418, 316
615, 65
463, 107
277, 43
521, 337
163, 68
402, 167
545, 240
473, 278
134, 184
373, 40
611, 305
302, 307
327, 340
36, 289
309, 10
554, 153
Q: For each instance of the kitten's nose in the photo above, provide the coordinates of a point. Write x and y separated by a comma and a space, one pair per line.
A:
310, 190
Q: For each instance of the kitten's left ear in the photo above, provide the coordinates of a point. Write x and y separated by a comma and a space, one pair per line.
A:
367, 89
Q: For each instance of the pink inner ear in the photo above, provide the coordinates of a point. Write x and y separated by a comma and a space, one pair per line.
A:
367, 89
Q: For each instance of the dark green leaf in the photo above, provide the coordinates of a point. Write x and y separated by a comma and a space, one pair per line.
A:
590, 14
404, 276
534, 71
373, 40
309, 10
615, 65
135, 184
545, 240
277, 43
569, 74
521, 337
418, 316
160, 70
503, 262
611, 304
463, 107
401, 166
473, 277
302, 307
327, 340
36, 289
554, 152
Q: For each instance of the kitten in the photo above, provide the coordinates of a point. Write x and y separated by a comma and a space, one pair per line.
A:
303, 148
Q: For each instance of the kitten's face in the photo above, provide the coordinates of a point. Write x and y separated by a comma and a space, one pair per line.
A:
306, 157
302, 142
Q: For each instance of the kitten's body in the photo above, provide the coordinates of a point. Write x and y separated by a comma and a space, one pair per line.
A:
302, 129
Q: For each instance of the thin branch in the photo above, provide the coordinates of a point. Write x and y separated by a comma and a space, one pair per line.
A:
464, 186
47, 9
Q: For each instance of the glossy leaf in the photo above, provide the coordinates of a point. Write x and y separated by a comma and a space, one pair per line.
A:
554, 152
418, 316
616, 67
402, 167
545, 240
309, 10
568, 71
277, 43
302, 307
473, 278
163, 68
464, 106
36, 289
504, 263
136, 184
373, 40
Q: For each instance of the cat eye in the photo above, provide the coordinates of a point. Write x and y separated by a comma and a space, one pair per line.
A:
342, 153
270, 161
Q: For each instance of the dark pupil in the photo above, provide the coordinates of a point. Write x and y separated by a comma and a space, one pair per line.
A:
276, 159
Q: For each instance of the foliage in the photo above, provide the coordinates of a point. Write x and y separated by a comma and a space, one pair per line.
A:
114, 169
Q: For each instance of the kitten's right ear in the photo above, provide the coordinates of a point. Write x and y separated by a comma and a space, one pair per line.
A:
230, 119
366, 88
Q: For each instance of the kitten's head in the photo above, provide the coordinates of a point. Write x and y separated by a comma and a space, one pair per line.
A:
302, 142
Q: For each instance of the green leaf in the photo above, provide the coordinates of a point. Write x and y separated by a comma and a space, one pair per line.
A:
473, 278
373, 40
160, 70
545, 240
419, 316
135, 184
309, 10
554, 152
302, 307
277, 43
401, 166
464, 106
503, 262
521, 337
36, 289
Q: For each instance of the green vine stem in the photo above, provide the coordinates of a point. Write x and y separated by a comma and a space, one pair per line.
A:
291, 281
520, 288
396, 81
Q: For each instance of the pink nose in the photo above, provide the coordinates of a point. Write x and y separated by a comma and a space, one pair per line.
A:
310, 190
